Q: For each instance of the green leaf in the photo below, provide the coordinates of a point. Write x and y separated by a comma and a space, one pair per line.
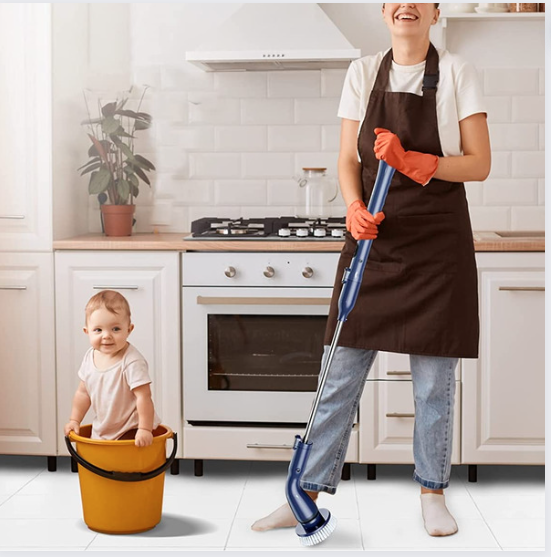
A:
144, 161
120, 132
142, 175
91, 168
135, 190
109, 109
141, 125
93, 151
110, 125
100, 181
123, 189
99, 148
126, 150
128, 113
133, 179
93, 161
92, 121
145, 116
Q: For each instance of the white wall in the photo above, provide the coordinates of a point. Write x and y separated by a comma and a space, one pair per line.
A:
228, 144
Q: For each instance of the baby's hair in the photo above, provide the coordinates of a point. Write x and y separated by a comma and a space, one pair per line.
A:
110, 300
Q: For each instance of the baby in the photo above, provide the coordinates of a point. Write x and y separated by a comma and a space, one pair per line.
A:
114, 378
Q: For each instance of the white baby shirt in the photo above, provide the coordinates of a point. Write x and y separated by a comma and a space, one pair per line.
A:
458, 96
110, 391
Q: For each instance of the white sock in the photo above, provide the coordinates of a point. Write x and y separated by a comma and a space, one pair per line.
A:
280, 518
438, 520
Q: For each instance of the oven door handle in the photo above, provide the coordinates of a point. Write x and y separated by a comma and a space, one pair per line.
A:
266, 446
237, 301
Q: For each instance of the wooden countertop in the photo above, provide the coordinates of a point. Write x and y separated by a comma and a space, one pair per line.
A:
483, 241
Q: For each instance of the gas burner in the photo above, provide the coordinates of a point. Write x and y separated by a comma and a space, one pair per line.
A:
270, 228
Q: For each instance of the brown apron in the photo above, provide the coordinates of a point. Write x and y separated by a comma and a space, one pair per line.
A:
419, 289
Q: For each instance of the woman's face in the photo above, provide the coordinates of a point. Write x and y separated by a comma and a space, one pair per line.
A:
410, 20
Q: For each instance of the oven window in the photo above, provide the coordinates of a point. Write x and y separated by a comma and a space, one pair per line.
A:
265, 352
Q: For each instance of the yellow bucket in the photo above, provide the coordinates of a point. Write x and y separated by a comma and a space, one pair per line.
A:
121, 485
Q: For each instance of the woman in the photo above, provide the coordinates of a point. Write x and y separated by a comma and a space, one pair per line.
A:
421, 111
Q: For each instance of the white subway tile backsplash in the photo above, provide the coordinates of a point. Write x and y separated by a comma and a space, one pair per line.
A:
214, 165
180, 220
528, 164
528, 218
186, 78
267, 111
541, 191
505, 81
212, 109
499, 109
171, 106
241, 84
147, 75
490, 218
294, 138
193, 192
317, 111
294, 84
330, 138
529, 109
267, 165
474, 191
172, 160
501, 164
514, 137
241, 138
267, 211
240, 192
193, 138
511, 192
285, 192
225, 212
161, 213
332, 82
317, 160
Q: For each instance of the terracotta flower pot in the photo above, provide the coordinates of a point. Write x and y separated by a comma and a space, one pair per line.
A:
117, 219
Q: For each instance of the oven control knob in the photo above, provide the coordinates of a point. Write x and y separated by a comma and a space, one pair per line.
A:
307, 272
269, 272
319, 232
230, 272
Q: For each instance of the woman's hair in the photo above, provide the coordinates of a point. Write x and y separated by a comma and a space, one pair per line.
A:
110, 300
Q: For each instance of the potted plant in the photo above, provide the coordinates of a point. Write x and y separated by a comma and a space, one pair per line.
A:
115, 169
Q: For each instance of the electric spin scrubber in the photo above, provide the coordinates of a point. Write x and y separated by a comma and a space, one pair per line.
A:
316, 525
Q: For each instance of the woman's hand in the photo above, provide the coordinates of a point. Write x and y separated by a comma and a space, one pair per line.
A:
361, 223
144, 438
420, 167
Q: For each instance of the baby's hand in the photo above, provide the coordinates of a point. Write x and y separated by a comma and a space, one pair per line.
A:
72, 425
144, 438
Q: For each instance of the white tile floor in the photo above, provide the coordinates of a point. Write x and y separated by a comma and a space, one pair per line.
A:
504, 510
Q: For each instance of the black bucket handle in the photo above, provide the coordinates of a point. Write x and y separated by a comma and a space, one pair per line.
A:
124, 476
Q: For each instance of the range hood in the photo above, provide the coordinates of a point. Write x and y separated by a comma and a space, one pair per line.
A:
260, 37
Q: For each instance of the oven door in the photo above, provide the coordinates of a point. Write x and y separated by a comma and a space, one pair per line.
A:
252, 354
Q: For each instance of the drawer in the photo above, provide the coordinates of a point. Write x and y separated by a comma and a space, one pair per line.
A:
387, 413
391, 366
248, 443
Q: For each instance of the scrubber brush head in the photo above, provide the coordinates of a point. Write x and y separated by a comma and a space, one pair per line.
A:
320, 533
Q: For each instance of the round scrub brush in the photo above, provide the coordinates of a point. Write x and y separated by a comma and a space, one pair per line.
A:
320, 533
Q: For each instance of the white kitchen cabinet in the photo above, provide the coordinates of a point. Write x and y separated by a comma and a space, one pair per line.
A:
150, 282
504, 389
27, 369
25, 133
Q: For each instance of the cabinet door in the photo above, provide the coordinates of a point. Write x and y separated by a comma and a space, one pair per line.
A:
504, 390
387, 418
150, 283
25, 133
27, 365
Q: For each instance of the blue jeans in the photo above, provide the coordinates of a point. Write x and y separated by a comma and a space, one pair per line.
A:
433, 380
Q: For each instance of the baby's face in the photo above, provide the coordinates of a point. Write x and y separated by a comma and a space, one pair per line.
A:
108, 331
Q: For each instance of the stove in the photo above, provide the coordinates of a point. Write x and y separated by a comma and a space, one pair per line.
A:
270, 228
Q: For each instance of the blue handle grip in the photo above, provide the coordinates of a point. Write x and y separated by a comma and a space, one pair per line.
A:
352, 278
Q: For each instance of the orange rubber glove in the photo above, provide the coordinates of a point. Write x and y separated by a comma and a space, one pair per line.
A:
361, 223
420, 167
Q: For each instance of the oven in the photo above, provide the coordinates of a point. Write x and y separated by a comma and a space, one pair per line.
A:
253, 328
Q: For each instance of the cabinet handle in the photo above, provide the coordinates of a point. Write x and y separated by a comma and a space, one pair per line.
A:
398, 372
264, 446
522, 288
223, 301
13, 288
12, 216
399, 415
115, 287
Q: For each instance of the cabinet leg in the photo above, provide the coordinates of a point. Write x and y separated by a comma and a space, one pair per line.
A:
175, 467
52, 463
371, 471
198, 467
345, 474
472, 472
74, 465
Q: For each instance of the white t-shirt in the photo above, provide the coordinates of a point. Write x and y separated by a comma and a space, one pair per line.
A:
458, 95
110, 391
